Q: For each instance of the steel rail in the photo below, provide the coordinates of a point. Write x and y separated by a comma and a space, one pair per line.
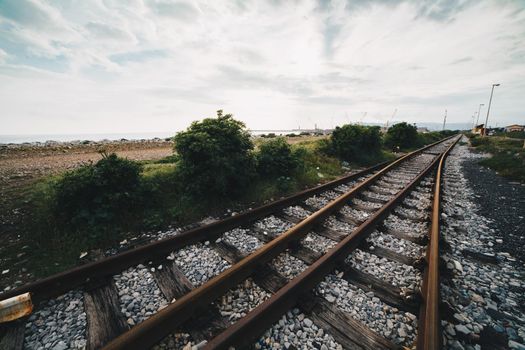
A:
259, 319
62, 282
429, 329
159, 325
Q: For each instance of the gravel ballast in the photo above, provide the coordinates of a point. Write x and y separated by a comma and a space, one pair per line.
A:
485, 283
139, 294
398, 326
199, 263
296, 331
57, 324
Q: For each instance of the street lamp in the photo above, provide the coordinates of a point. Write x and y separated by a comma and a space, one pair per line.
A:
488, 109
479, 111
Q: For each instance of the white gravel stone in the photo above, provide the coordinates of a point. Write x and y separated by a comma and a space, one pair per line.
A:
239, 301
401, 246
330, 195
274, 226
318, 243
342, 227
58, 323
356, 214
240, 239
297, 211
345, 187
365, 307
395, 273
288, 266
199, 263
139, 294
296, 330
317, 201
415, 229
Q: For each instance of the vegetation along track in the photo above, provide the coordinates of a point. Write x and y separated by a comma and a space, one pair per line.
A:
293, 254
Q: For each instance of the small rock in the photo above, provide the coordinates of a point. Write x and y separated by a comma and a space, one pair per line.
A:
515, 345
462, 329
60, 346
457, 266
308, 322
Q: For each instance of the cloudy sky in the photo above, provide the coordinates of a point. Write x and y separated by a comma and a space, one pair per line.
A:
86, 66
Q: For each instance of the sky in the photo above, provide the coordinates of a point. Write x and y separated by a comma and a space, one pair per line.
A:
101, 66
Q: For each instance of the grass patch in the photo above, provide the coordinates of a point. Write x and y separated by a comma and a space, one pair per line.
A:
507, 155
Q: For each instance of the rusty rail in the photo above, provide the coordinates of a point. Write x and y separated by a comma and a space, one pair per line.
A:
257, 321
154, 329
429, 332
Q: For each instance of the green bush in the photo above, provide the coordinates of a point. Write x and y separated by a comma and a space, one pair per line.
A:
215, 157
96, 196
355, 143
275, 158
402, 135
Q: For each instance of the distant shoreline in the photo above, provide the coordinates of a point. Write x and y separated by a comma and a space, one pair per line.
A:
42, 139
78, 138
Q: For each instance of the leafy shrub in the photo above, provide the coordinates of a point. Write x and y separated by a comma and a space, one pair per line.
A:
95, 196
355, 143
275, 158
402, 135
215, 157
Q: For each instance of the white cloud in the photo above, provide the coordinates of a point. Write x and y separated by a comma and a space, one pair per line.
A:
99, 66
3, 56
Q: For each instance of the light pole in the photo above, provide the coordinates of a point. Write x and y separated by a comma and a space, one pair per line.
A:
488, 109
479, 111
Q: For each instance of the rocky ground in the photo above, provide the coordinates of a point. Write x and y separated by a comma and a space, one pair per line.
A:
503, 202
485, 279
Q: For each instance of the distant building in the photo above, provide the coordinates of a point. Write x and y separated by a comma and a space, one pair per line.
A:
423, 130
479, 129
515, 127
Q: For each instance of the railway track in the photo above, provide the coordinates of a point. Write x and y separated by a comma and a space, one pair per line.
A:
349, 261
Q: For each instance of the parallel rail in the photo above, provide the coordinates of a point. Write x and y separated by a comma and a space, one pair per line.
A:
241, 333
149, 332
60, 283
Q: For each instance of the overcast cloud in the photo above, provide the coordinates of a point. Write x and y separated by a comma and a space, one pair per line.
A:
79, 66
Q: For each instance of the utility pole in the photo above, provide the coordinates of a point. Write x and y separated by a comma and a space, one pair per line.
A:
488, 110
445, 119
479, 111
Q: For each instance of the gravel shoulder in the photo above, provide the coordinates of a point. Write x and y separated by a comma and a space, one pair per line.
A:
503, 202
484, 282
